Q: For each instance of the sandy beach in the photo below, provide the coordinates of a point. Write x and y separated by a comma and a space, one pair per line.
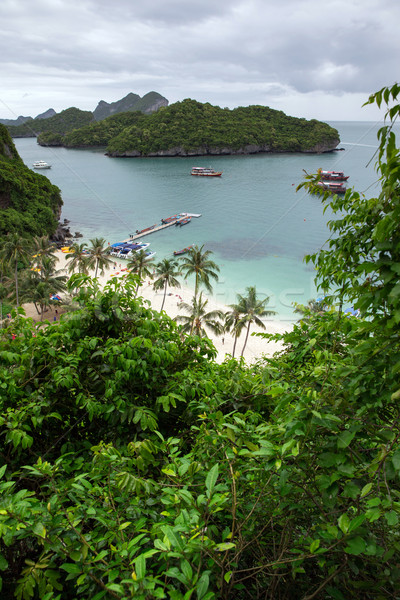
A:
255, 348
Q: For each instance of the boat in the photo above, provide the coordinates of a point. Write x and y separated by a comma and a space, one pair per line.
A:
41, 164
205, 172
332, 186
126, 249
332, 175
183, 221
169, 219
183, 251
146, 229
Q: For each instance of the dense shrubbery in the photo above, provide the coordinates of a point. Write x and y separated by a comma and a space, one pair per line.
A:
101, 132
29, 203
135, 466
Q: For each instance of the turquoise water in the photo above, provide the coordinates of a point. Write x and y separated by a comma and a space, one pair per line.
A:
257, 226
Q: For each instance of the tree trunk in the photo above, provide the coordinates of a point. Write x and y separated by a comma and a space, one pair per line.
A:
234, 346
247, 335
16, 282
165, 293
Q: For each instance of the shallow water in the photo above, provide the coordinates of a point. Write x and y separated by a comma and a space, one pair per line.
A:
255, 223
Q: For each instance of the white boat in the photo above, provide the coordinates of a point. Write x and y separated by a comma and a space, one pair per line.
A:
205, 172
41, 164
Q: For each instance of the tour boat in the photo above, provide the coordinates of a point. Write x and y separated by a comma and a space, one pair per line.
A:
333, 187
41, 164
332, 175
205, 172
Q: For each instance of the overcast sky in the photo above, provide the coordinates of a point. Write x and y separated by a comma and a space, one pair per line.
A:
310, 58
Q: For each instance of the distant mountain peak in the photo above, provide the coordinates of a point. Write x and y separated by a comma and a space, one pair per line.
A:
50, 112
150, 102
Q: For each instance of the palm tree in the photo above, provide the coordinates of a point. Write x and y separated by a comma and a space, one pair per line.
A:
98, 255
79, 258
166, 275
197, 263
140, 264
252, 309
43, 247
38, 286
15, 250
234, 324
313, 307
198, 318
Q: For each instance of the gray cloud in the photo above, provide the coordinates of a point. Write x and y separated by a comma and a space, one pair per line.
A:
60, 53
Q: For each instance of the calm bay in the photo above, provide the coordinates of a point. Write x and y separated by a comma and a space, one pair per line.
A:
256, 224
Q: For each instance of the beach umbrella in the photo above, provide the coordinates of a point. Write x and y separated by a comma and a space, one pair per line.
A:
351, 311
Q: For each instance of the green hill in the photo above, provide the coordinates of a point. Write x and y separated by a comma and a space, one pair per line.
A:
62, 122
29, 203
192, 128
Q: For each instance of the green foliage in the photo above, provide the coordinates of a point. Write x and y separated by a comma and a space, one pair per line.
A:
29, 203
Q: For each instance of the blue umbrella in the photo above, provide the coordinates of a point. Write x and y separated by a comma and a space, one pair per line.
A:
351, 311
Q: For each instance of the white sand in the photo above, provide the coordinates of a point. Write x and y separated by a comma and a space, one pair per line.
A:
255, 348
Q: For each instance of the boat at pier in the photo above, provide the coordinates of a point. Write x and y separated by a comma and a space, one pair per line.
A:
205, 172
144, 230
332, 175
169, 219
183, 221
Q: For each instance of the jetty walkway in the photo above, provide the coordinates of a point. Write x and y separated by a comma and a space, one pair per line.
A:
157, 228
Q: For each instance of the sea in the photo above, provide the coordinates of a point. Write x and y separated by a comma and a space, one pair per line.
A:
256, 225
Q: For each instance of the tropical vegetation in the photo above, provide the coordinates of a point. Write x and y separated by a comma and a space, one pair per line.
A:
29, 204
166, 273
136, 466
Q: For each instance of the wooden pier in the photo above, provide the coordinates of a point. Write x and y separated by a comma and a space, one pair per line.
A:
137, 236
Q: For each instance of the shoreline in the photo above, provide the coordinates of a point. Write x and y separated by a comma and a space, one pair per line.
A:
255, 348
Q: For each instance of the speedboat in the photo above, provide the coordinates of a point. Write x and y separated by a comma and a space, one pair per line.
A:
41, 164
205, 172
125, 249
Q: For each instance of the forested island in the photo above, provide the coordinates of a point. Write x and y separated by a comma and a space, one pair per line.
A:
191, 128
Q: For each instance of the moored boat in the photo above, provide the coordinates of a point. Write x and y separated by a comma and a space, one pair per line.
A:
146, 229
126, 249
169, 219
205, 172
332, 175
184, 221
332, 186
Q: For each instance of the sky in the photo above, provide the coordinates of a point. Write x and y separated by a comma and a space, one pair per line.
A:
309, 58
